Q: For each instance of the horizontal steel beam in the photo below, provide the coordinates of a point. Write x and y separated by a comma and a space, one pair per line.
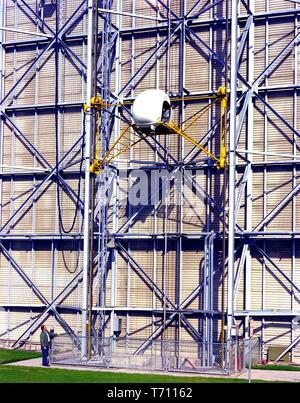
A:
37, 34
267, 313
124, 237
286, 13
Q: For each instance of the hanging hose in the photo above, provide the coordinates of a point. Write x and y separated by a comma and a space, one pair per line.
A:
75, 215
61, 225
62, 229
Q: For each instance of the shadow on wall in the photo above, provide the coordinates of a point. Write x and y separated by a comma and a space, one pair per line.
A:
48, 8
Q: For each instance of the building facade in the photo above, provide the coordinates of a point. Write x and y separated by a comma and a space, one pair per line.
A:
165, 265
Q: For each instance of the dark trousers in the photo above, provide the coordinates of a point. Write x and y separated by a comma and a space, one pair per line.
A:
45, 352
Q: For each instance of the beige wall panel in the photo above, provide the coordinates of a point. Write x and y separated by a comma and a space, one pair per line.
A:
217, 67
15, 320
257, 299
122, 284
280, 35
259, 141
278, 289
197, 59
279, 185
140, 293
196, 125
10, 20
126, 62
46, 136
192, 275
296, 299
71, 85
9, 77
22, 293
67, 9
277, 333
145, 80
260, 49
142, 8
6, 207
279, 5
7, 147
23, 222
190, 6
43, 271
258, 202
12, 199
24, 23
25, 92
45, 207
170, 276
26, 124
194, 209
279, 136
46, 87
108, 288
240, 296
242, 212
4, 334
127, 21
140, 328
122, 210
144, 151
71, 127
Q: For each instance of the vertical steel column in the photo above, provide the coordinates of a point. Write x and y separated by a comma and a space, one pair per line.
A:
2, 53
2, 75
232, 164
294, 205
248, 261
179, 229
266, 119
118, 71
88, 162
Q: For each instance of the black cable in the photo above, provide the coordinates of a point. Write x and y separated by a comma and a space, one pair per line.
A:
61, 226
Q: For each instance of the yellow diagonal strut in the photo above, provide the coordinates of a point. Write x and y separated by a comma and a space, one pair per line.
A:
221, 95
173, 128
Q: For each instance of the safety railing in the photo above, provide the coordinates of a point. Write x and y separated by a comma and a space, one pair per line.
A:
160, 355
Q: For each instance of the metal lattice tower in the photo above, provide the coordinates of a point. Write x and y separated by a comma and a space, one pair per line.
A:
159, 269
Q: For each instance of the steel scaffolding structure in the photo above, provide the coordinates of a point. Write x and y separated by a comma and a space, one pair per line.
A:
97, 51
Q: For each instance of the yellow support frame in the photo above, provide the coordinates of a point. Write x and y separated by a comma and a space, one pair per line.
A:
221, 95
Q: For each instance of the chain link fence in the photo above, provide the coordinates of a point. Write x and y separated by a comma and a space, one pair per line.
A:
157, 355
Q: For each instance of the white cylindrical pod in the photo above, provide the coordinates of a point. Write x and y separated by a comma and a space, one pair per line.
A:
151, 108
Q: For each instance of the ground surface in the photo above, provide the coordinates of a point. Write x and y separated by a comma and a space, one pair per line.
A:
7, 356
20, 374
276, 367
31, 371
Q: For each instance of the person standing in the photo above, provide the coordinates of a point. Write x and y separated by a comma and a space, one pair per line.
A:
45, 344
